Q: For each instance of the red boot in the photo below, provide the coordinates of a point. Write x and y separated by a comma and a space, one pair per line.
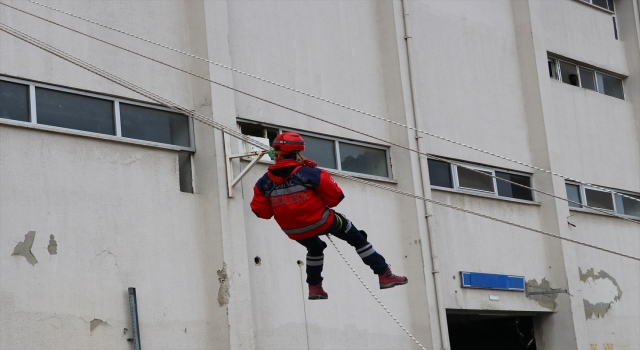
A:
389, 280
316, 292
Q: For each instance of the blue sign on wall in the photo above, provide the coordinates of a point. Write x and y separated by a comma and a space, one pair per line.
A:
491, 281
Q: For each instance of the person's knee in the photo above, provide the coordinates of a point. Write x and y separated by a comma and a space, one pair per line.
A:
318, 249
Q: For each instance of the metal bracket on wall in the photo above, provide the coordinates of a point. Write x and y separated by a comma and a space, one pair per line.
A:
231, 180
544, 291
133, 305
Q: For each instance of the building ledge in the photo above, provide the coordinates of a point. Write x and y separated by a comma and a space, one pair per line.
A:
26, 125
469, 193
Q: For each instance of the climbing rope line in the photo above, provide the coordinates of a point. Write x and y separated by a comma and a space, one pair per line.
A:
371, 292
336, 103
210, 122
608, 213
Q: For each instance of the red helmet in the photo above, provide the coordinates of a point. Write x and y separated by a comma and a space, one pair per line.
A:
288, 142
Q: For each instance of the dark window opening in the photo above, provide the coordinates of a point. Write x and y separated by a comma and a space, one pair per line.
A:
14, 101
154, 125
610, 3
440, 173
475, 180
321, 151
587, 78
599, 199
365, 160
185, 173
628, 206
257, 130
615, 28
573, 193
506, 189
601, 3
71, 111
490, 332
569, 73
553, 73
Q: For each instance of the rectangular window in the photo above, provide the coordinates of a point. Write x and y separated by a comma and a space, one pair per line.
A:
475, 178
184, 172
553, 70
330, 152
321, 151
440, 173
615, 28
587, 79
599, 199
573, 193
576, 75
72, 111
154, 125
362, 159
627, 206
605, 4
569, 73
14, 101
506, 189
609, 85
604, 200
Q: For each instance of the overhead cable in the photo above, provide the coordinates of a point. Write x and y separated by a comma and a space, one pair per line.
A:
57, 52
605, 212
602, 211
336, 103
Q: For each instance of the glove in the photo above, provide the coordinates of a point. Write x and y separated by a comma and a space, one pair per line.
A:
309, 163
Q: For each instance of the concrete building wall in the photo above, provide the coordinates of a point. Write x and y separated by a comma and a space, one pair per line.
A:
209, 274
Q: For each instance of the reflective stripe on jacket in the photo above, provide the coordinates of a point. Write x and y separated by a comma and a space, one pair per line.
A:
299, 200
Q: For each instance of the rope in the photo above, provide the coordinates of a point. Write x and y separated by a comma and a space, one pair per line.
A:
371, 292
335, 103
210, 122
608, 213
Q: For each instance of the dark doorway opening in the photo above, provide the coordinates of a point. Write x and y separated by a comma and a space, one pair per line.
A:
476, 331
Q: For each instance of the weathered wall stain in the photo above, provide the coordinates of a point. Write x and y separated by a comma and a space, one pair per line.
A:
53, 245
545, 300
223, 292
24, 248
95, 323
599, 292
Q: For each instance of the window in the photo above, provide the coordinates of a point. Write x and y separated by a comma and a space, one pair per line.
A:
154, 125
14, 101
330, 152
605, 4
600, 199
71, 109
184, 172
444, 174
576, 75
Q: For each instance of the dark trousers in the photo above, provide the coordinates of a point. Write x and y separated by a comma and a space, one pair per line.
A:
346, 231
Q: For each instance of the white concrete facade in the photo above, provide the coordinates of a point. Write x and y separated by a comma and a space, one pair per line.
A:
480, 76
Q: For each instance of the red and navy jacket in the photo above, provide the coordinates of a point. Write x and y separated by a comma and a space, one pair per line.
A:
299, 198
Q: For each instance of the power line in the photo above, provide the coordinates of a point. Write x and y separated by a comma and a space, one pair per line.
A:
608, 213
57, 52
338, 104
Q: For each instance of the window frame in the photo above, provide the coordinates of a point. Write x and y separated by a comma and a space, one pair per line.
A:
584, 201
591, 4
558, 76
33, 113
336, 147
453, 168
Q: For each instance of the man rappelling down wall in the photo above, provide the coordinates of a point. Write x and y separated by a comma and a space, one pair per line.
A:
300, 196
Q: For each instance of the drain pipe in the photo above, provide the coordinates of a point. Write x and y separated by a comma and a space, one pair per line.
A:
442, 317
